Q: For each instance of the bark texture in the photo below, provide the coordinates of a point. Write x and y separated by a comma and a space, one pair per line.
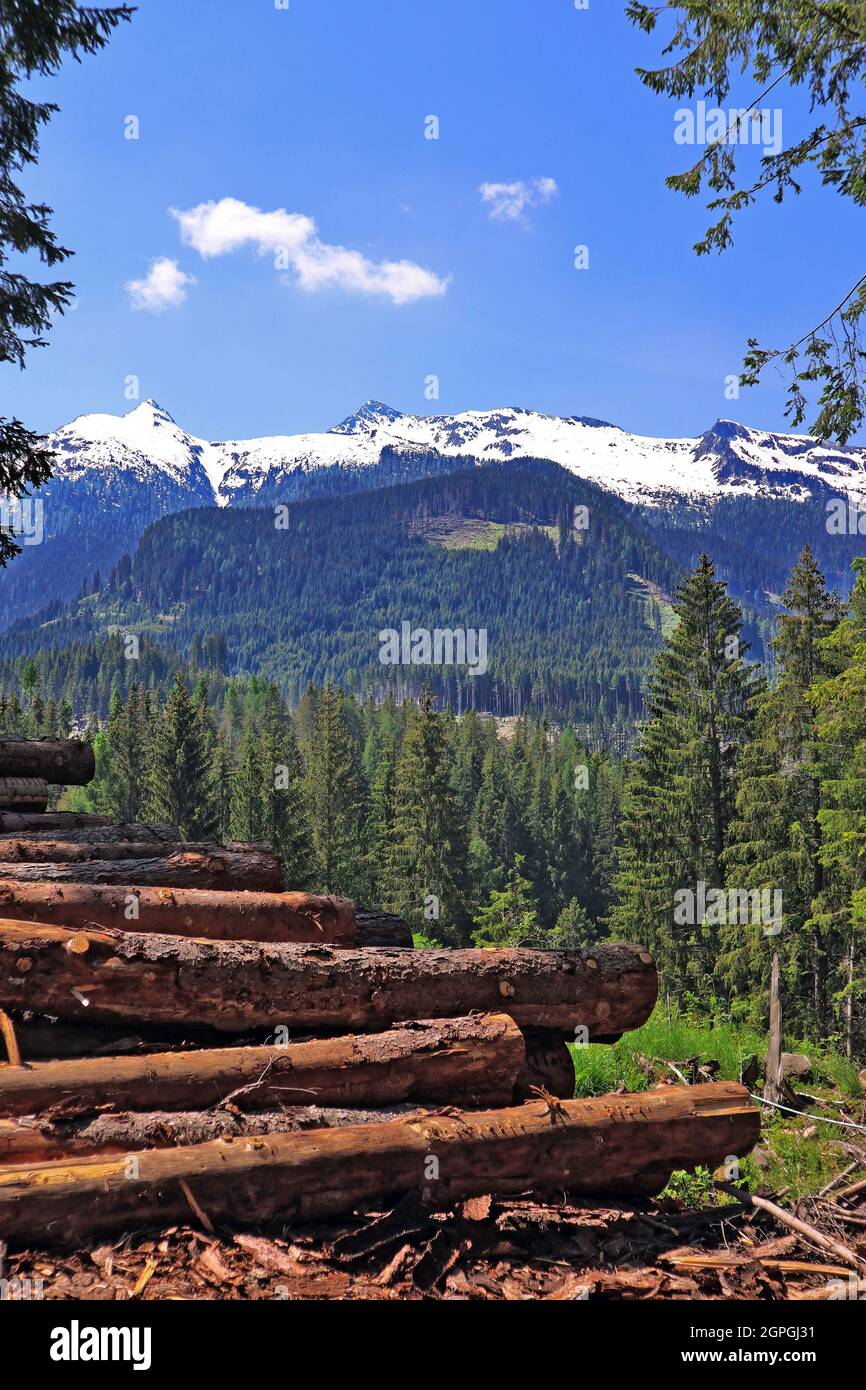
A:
211, 914
23, 794
258, 870
36, 1139
106, 976
382, 929
81, 825
613, 1144
69, 761
470, 1061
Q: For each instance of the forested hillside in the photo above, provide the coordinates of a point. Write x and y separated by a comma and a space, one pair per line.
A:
745, 799
302, 593
573, 613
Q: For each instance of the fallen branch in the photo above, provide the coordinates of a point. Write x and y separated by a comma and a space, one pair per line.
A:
794, 1223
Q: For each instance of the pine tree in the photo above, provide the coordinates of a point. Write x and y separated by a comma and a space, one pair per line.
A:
335, 795
35, 37
840, 753
511, 916
775, 838
680, 794
427, 842
180, 781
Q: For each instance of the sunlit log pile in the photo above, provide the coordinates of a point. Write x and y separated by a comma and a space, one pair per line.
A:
184, 1037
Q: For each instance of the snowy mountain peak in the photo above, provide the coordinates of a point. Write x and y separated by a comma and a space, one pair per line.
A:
150, 411
729, 459
367, 417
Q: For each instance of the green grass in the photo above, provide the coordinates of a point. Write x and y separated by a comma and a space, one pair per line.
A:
785, 1158
673, 1038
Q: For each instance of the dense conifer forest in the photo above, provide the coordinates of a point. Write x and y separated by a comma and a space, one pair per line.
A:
521, 830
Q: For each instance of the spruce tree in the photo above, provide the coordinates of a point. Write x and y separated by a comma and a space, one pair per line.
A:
680, 794
246, 820
776, 838
335, 794
180, 781
285, 822
427, 843
840, 752
510, 918
35, 37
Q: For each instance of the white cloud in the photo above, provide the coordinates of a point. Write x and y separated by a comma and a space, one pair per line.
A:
214, 229
509, 201
163, 287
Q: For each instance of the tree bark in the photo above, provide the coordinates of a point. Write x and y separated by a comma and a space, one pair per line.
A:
32, 850
382, 929
81, 825
39, 1140
69, 761
257, 870
470, 1061
108, 976
774, 1086
23, 794
197, 912
606, 1145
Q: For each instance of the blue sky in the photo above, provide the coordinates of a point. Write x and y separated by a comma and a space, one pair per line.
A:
320, 110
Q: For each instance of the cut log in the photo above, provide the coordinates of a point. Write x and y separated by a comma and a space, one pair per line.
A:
382, 929
33, 850
259, 870
43, 1039
549, 1067
200, 912
69, 761
470, 1061
13, 823
39, 1140
605, 1146
109, 976
67, 825
23, 794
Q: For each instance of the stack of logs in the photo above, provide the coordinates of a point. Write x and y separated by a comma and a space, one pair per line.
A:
183, 1036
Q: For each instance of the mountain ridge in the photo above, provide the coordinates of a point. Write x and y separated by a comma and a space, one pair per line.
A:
114, 475
727, 459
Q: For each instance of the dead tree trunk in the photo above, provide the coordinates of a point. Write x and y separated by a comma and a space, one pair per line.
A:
774, 1086
69, 761
103, 976
470, 1061
615, 1144
258, 870
198, 912
23, 794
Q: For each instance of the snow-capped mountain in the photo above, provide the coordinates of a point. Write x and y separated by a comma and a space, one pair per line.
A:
145, 445
728, 460
115, 474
